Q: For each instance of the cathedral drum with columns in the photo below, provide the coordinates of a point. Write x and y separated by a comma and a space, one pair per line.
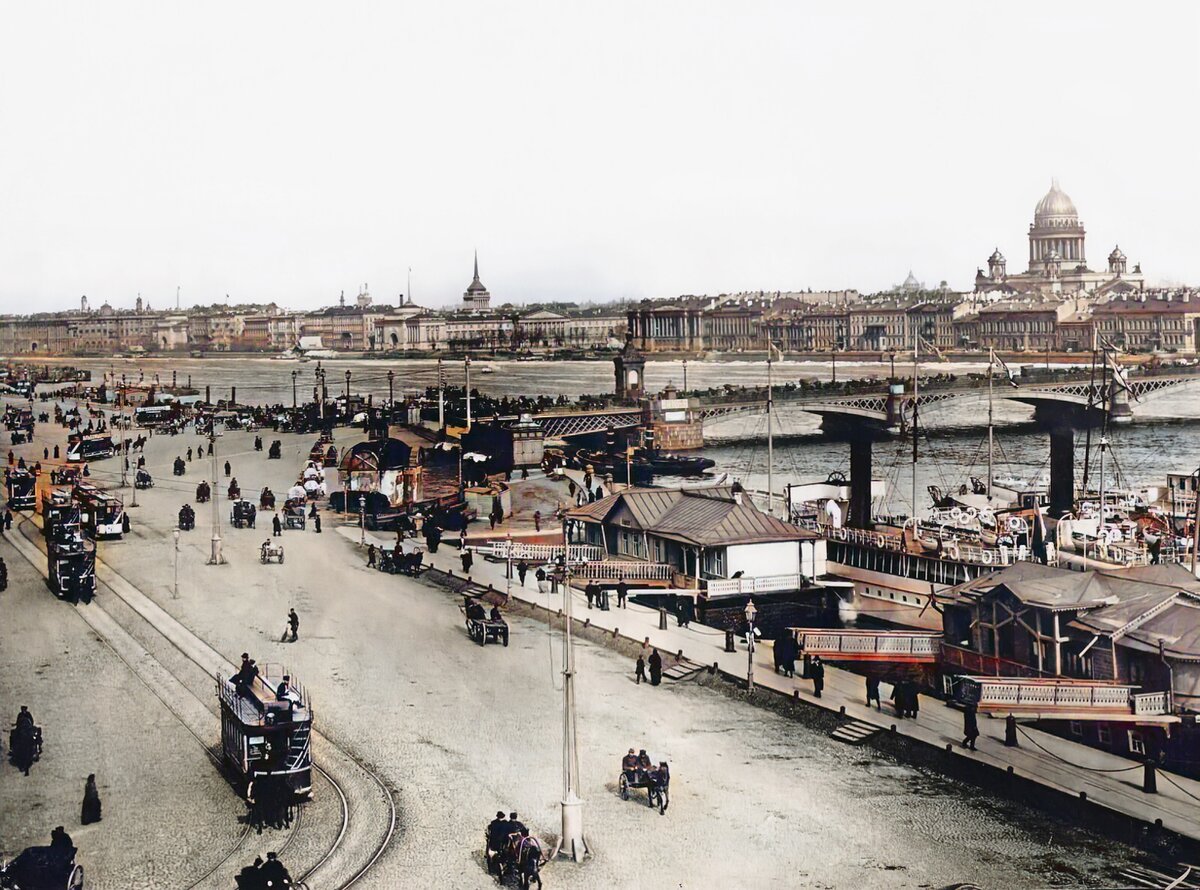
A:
1058, 257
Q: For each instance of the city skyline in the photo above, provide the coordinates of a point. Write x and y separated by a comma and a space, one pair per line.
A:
700, 152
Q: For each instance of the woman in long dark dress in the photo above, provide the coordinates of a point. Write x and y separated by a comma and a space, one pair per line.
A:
90, 812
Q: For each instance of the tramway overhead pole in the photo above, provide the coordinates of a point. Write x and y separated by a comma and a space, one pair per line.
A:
215, 558
570, 842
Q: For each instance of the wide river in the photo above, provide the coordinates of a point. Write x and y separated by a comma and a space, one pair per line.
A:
956, 449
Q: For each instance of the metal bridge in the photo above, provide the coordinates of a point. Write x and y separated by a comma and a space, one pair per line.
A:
893, 411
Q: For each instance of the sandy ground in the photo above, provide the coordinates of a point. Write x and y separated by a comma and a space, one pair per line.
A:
460, 731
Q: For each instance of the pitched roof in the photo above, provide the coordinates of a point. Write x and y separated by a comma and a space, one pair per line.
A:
702, 517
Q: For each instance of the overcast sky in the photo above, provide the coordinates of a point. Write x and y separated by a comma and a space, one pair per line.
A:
291, 151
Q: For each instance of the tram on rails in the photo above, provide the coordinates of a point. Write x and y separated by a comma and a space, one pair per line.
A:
60, 517
102, 515
21, 488
91, 447
266, 733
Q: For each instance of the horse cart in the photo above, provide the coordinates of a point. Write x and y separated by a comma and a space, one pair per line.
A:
270, 552
656, 780
482, 628
293, 513
42, 868
187, 518
243, 514
143, 480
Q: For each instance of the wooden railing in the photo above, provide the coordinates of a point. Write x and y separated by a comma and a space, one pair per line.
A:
1000, 693
614, 570
758, 584
977, 663
499, 549
869, 645
1151, 703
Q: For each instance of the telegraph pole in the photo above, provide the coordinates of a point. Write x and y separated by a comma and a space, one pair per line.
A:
571, 842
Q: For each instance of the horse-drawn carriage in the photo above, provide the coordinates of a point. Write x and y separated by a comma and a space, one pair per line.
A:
187, 518
243, 514
520, 855
482, 627
403, 563
266, 499
275, 451
179, 467
20, 437
143, 480
43, 868
203, 493
270, 552
24, 745
293, 513
641, 772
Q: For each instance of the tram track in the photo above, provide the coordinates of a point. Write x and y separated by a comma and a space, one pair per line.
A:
342, 864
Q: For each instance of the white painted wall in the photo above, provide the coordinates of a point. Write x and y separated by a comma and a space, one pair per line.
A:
775, 558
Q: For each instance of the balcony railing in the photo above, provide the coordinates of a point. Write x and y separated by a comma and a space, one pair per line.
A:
499, 549
615, 570
884, 645
715, 587
1001, 694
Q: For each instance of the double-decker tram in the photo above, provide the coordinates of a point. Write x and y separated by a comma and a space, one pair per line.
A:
266, 723
102, 515
21, 488
70, 555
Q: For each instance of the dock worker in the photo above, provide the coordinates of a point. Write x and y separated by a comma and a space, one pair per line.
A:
591, 591
622, 593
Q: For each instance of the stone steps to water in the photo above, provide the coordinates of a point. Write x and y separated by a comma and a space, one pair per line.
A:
683, 670
854, 732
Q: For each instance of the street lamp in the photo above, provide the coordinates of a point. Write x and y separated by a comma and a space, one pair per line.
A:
175, 534
750, 612
294, 374
215, 558
685, 389
391, 401
347, 390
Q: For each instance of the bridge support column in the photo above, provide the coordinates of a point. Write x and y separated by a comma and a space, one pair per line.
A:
1119, 410
860, 481
1062, 470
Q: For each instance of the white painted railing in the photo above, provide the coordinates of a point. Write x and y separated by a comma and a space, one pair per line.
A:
1151, 703
857, 644
999, 693
538, 552
953, 551
756, 584
613, 570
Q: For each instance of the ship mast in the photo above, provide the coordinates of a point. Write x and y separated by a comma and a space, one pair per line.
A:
916, 393
991, 364
770, 435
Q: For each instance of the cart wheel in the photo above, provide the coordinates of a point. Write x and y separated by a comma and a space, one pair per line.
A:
281, 557
623, 785
75, 882
662, 801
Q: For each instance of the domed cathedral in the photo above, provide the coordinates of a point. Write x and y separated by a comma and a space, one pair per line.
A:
1058, 257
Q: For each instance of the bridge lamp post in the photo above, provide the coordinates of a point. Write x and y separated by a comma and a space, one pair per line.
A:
571, 842
750, 612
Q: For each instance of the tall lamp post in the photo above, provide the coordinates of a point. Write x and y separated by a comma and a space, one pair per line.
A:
347, 390
175, 534
571, 842
391, 399
751, 612
294, 373
467, 372
215, 557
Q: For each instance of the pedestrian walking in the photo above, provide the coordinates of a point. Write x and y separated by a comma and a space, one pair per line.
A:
590, 592
537, 520
466, 561
228, 468
655, 668
816, 670
970, 726
90, 811
462, 540
873, 693
639, 670
622, 593
189, 455
540, 576
56, 452
522, 571
276, 526
8, 514
492, 519
293, 624
45, 454
370, 556
317, 523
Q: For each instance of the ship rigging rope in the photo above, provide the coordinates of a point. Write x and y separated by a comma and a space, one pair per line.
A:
1090, 769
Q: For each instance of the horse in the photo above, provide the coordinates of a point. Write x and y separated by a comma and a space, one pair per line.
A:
525, 861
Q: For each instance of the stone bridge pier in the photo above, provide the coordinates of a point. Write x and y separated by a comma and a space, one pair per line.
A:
1061, 421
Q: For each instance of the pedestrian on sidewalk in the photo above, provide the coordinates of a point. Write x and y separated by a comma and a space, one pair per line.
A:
1010, 731
816, 670
622, 593
294, 624
276, 526
228, 468
970, 726
317, 523
90, 811
522, 571
639, 670
370, 556
873, 693
537, 520
189, 455
655, 668
590, 592
466, 561
56, 452
492, 519
8, 514
45, 454
540, 576
462, 540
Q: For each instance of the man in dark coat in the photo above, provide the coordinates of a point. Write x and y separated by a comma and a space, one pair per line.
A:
276, 526
873, 693
467, 560
522, 571
590, 592
90, 812
1010, 731
294, 624
970, 726
639, 670
816, 671
622, 593
497, 840
655, 663
317, 523
370, 556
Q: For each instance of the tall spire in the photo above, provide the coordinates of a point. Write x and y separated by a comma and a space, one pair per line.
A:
476, 279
